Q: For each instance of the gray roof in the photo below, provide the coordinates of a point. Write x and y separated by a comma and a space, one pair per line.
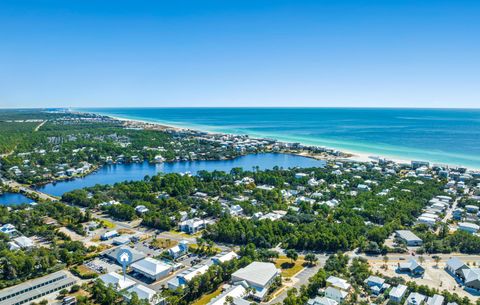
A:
30, 290
398, 292
407, 235
136, 255
321, 301
415, 298
455, 264
410, 265
435, 300
375, 279
471, 275
257, 273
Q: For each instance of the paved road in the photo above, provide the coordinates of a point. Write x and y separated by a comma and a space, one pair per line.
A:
29, 190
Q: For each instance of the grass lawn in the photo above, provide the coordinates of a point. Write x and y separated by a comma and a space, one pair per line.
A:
207, 297
289, 269
183, 234
108, 224
194, 247
84, 271
164, 243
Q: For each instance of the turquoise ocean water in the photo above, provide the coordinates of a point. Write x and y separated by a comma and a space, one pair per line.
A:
450, 136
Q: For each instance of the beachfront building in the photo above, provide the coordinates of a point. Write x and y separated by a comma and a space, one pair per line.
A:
257, 275
29, 291
409, 238
151, 268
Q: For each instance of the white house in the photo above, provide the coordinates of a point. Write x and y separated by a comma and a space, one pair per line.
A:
117, 281
397, 293
435, 300
321, 301
415, 298
192, 226
336, 294
179, 250
257, 275
235, 292
23, 242
141, 209
338, 283
186, 276
109, 234
8, 229
144, 293
151, 268
224, 257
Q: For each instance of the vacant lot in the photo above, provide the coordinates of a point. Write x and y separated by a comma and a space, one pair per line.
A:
164, 243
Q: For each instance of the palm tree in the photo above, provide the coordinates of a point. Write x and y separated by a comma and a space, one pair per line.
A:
437, 260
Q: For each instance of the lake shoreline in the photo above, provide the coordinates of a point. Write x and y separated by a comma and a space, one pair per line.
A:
114, 173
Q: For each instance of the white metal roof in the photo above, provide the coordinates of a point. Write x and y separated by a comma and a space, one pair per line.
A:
257, 273
150, 266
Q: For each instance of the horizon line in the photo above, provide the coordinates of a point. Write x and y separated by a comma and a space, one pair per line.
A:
242, 107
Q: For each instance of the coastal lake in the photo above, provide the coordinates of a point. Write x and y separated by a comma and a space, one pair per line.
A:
110, 174
14, 199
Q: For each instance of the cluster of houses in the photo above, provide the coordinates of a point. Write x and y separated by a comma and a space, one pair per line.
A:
433, 212
17, 240
252, 281
469, 277
338, 290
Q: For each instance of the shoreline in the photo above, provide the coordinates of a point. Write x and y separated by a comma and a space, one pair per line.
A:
353, 156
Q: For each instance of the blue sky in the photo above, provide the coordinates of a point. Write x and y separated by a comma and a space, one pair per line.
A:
387, 53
